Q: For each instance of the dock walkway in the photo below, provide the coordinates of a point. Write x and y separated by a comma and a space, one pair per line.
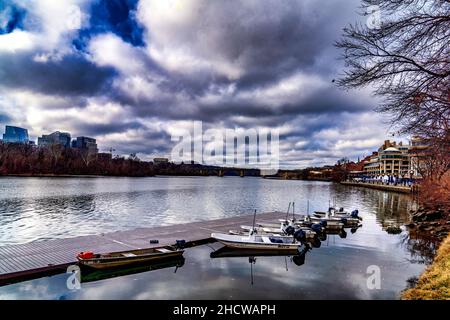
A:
402, 189
31, 260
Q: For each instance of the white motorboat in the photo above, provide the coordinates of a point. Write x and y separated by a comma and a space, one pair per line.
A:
348, 219
281, 230
257, 242
326, 223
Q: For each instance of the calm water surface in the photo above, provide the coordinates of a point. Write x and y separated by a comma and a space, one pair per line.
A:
36, 209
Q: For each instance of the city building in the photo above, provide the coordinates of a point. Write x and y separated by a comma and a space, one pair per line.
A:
15, 135
372, 165
55, 138
390, 159
86, 143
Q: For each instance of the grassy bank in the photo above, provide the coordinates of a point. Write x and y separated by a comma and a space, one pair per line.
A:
434, 283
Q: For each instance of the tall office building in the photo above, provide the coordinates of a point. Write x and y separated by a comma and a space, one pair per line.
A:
85, 143
57, 137
15, 135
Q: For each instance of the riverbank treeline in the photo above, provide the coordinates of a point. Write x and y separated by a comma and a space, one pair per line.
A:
22, 159
28, 160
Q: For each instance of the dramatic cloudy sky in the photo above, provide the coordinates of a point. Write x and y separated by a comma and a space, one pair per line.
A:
131, 73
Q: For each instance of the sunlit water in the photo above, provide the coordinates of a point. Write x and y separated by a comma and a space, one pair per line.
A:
36, 209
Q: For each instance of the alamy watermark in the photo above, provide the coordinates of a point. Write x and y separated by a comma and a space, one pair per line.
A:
374, 277
73, 281
243, 148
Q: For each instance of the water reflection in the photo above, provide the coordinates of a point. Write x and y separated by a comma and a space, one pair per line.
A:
422, 247
295, 256
90, 275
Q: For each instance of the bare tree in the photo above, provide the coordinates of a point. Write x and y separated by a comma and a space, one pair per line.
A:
406, 61
87, 156
56, 151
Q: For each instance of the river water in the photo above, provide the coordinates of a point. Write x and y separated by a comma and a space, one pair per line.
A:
37, 209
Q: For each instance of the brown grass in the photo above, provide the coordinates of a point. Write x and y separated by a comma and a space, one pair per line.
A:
434, 283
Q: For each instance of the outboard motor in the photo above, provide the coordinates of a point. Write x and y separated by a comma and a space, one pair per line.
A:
344, 221
316, 227
343, 234
323, 236
354, 214
300, 236
289, 230
299, 260
316, 243
323, 223
180, 244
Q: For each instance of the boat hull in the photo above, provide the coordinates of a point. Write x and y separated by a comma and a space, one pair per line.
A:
260, 246
119, 262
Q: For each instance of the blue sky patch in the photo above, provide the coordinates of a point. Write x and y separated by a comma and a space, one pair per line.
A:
116, 16
11, 17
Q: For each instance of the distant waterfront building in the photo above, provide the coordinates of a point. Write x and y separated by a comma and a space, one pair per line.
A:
57, 137
86, 143
390, 159
15, 135
158, 161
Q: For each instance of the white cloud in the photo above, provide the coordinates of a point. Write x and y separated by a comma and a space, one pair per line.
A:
110, 50
17, 40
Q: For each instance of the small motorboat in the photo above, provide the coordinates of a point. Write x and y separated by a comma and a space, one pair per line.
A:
280, 231
338, 213
309, 221
258, 242
348, 219
126, 258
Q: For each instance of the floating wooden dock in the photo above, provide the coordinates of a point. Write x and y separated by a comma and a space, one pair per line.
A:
402, 189
42, 258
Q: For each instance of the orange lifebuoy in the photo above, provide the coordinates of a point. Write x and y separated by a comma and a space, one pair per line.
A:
86, 255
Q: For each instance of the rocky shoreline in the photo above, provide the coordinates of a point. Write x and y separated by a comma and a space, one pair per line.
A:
433, 221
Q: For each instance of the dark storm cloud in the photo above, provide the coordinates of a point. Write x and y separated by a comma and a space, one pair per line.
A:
107, 128
151, 142
325, 100
4, 118
72, 75
268, 41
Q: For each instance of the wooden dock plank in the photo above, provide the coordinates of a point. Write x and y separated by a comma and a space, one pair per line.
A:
34, 258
